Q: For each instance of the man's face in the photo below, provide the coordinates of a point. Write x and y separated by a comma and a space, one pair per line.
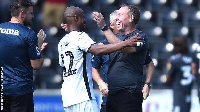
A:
81, 20
122, 19
114, 26
28, 17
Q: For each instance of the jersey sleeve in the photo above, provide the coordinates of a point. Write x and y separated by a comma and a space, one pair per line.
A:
148, 58
104, 41
33, 49
60, 57
85, 42
194, 57
146, 43
96, 62
171, 68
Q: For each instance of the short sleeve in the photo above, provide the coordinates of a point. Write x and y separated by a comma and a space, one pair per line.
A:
96, 62
148, 58
60, 57
104, 41
145, 45
194, 57
172, 68
33, 49
85, 42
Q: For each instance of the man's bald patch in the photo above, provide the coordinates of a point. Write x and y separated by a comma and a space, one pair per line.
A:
72, 11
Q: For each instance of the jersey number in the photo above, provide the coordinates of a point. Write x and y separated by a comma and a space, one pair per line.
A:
187, 75
69, 71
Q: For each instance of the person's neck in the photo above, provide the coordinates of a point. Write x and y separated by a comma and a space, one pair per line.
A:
73, 29
16, 20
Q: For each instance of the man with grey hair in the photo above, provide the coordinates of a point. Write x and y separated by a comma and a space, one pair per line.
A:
102, 62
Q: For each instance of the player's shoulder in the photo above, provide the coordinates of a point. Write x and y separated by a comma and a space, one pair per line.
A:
83, 34
77, 33
3, 24
63, 40
17, 29
141, 33
187, 58
175, 56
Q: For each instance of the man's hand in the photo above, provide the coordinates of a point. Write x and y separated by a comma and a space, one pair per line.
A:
103, 87
135, 41
41, 37
65, 27
43, 46
99, 19
145, 91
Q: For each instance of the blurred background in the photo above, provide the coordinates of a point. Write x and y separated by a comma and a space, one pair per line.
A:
160, 20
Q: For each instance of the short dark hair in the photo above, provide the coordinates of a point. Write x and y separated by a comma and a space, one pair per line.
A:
133, 10
20, 5
180, 44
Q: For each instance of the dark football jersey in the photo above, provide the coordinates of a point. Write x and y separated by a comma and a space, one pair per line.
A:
126, 69
18, 45
182, 80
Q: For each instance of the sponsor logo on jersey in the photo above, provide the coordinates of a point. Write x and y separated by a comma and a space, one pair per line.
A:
9, 31
38, 50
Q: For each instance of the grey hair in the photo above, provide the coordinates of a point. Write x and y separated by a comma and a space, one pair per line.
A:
113, 16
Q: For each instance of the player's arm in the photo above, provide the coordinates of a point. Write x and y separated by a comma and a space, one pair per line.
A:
111, 37
35, 50
149, 76
193, 68
170, 70
150, 71
109, 48
37, 63
103, 87
99, 19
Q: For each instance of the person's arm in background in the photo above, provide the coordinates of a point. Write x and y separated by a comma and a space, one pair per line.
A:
97, 64
193, 68
103, 87
149, 75
169, 68
37, 63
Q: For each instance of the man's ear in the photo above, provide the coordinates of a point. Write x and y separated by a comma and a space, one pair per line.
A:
76, 18
21, 15
112, 26
132, 18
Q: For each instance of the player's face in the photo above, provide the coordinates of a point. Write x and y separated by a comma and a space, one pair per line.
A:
113, 25
122, 19
28, 17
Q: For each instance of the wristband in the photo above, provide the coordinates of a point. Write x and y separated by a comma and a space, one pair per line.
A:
139, 43
105, 28
148, 84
